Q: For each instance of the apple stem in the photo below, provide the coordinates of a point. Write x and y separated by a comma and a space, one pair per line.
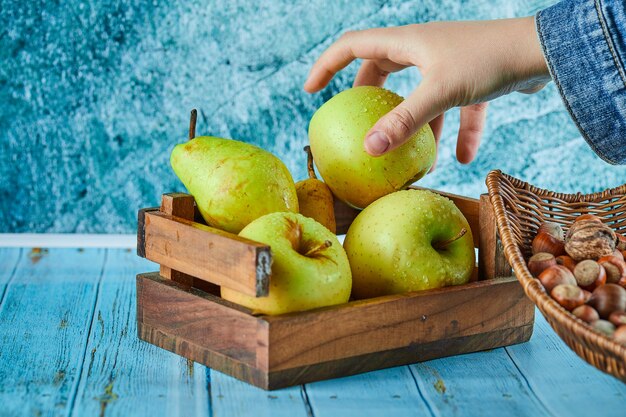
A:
192, 124
309, 162
322, 246
443, 244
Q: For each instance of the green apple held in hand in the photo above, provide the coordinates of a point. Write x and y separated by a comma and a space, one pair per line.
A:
233, 182
408, 241
337, 131
310, 268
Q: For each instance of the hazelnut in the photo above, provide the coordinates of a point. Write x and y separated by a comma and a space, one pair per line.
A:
568, 296
615, 268
604, 326
589, 239
607, 299
618, 318
620, 335
588, 216
540, 262
617, 253
549, 239
587, 295
556, 275
566, 261
621, 242
589, 274
586, 313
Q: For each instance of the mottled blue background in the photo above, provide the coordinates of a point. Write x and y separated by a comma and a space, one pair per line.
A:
94, 94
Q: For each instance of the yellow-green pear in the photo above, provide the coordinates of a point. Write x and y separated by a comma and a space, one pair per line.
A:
337, 132
315, 198
233, 182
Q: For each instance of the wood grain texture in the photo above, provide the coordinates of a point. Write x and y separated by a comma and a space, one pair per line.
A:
183, 206
396, 395
279, 351
45, 319
391, 322
487, 380
44, 324
416, 352
141, 230
185, 320
207, 253
563, 382
492, 262
9, 259
231, 397
123, 376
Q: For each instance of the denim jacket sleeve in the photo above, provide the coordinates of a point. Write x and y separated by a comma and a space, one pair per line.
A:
584, 43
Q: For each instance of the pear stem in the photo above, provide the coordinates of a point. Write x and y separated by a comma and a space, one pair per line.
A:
309, 162
444, 243
192, 124
322, 246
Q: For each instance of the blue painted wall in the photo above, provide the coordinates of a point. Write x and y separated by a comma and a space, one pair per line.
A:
94, 94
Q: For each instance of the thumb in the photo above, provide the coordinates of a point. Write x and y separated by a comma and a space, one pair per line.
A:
397, 126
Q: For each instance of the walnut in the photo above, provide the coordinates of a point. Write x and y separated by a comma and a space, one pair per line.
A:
589, 239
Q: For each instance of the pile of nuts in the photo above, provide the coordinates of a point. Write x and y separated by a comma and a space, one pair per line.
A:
584, 271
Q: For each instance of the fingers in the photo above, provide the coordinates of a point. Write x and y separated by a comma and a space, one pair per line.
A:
366, 44
436, 125
397, 126
370, 74
470, 131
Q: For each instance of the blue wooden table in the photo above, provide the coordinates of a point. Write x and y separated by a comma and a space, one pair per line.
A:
68, 348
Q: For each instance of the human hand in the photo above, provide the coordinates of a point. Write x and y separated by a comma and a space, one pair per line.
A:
462, 64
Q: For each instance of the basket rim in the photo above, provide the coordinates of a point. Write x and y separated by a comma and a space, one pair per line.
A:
544, 192
533, 289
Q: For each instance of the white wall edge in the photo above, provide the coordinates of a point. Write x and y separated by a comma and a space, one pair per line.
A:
66, 240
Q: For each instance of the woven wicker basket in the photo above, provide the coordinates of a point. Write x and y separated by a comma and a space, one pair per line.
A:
519, 210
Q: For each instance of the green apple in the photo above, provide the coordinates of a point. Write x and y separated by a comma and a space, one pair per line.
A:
233, 182
409, 240
310, 268
337, 131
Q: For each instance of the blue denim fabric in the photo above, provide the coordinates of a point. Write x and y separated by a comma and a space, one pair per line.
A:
584, 43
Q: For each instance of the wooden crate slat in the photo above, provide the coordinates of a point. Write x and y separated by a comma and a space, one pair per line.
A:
194, 316
279, 351
417, 352
207, 253
390, 322
491, 259
183, 206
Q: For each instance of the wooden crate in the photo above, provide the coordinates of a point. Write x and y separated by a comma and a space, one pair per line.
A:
179, 307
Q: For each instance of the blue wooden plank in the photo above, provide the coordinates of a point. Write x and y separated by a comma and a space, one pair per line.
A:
231, 397
124, 376
44, 322
389, 392
563, 381
9, 258
477, 384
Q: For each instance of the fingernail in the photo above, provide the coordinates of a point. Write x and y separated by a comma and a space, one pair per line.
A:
376, 143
